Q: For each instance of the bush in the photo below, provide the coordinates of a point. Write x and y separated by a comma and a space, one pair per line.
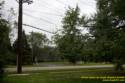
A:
1, 70
119, 65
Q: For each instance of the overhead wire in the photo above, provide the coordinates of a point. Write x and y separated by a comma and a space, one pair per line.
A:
52, 5
44, 20
49, 7
39, 28
46, 13
58, 11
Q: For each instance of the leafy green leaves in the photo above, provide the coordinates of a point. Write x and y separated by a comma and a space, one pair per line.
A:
70, 41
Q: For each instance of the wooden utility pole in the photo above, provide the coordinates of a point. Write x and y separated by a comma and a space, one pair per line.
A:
20, 50
20, 22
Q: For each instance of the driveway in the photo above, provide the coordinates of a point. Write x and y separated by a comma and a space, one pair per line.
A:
57, 68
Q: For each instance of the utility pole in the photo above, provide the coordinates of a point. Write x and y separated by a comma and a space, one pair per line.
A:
20, 22
19, 56
32, 43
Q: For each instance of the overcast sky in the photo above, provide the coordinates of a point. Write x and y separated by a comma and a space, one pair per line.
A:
47, 14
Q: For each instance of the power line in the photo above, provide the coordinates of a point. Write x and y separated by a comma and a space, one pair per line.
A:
57, 11
49, 7
46, 30
38, 28
53, 5
46, 13
39, 18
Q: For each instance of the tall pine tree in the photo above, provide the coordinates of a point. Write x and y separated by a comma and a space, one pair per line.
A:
109, 36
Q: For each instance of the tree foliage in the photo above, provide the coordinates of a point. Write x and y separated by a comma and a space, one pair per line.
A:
5, 46
70, 43
37, 41
108, 31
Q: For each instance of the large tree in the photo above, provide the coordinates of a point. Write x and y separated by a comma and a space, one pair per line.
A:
103, 31
118, 13
37, 41
107, 31
69, 42
5, 46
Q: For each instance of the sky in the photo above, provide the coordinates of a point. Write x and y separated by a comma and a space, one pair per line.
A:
48, 14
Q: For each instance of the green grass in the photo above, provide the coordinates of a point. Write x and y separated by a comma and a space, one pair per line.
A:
63, 76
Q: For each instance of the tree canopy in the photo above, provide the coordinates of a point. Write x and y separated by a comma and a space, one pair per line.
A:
5, 46
69, 42
108, 30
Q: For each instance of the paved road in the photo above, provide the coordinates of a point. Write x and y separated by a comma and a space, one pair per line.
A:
58, 67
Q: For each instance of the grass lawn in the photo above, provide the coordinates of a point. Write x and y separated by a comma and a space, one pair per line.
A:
64, 76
